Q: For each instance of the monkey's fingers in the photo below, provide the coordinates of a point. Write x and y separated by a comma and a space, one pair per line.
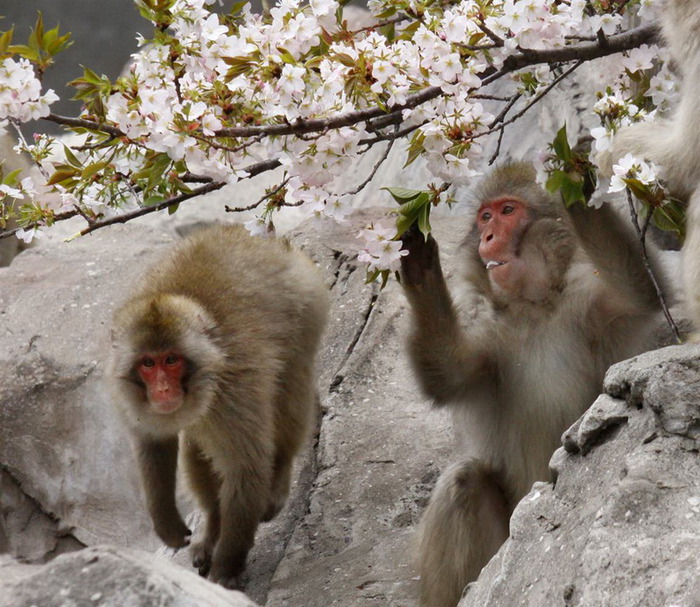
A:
175, 537
422, 256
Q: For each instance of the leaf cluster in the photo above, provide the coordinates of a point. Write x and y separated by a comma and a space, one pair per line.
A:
41, 46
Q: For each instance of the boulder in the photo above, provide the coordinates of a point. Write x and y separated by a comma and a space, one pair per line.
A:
621, 523
106, 576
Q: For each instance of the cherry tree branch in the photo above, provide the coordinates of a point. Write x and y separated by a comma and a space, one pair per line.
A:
376, 118
641, 235
525, 58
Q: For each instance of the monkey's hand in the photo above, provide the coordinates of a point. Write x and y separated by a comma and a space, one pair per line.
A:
422, 262
173, 531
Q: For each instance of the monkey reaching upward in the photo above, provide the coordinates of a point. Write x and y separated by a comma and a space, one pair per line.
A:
213, 357
546, 301
674, 143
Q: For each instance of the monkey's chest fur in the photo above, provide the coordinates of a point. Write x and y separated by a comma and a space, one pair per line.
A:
546, 375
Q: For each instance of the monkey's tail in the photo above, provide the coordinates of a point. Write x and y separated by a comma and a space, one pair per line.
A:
464, 525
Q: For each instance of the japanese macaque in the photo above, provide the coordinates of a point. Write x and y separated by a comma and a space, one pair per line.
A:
547, 299
674, 143
213, 357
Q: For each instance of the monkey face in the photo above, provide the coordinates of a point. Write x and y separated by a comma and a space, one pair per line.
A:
163, 376
501, 224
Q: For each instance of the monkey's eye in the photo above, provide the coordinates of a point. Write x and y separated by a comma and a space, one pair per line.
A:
148, 362
508, 209
485, 216
172, 359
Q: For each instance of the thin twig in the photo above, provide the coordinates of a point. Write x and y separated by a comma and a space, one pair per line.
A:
501, 116
495, 38
531, 104
255, 205
549, 87
641, 234
379, 163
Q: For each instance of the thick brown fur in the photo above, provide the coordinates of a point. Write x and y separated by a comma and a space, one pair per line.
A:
247, 314
514, 369
674, 142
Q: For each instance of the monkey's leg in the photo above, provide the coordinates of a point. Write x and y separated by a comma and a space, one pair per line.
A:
205, 486
691, 261
294, 410
463, 527
158, 463
243, 500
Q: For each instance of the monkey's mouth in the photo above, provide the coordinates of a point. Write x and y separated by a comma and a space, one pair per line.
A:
490, 265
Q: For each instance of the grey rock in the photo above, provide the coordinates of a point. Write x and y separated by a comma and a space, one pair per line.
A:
106, 576
621, 524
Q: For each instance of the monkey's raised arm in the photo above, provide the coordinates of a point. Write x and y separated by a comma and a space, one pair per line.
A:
445, 362
615, 250
158, 463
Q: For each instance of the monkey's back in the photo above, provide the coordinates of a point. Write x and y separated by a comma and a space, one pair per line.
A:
263, 283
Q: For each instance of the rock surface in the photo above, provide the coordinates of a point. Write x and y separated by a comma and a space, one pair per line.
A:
621, 524
105, 576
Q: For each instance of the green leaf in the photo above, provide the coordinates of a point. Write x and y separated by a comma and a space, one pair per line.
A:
53, 43
152, 200
389, 11
561, 145
572, 192
415, 148
5, 41
670, 217
92, 169
555, 181
24, 51
62, 175
237, 7
372, 276
11, 177
37, 35
414, 212
71, 158
402, 195
424, 221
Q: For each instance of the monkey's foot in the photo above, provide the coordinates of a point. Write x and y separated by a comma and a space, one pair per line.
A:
231, 583
231, 576
201, 556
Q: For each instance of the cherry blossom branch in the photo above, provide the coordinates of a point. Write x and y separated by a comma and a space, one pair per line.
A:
525, 58
641, 235
256, 204
376, 118
379, 163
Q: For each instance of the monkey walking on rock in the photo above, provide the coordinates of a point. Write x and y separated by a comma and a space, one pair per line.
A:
213, 359
547, 299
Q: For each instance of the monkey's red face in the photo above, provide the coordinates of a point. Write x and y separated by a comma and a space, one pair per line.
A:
501, 223
163, 376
